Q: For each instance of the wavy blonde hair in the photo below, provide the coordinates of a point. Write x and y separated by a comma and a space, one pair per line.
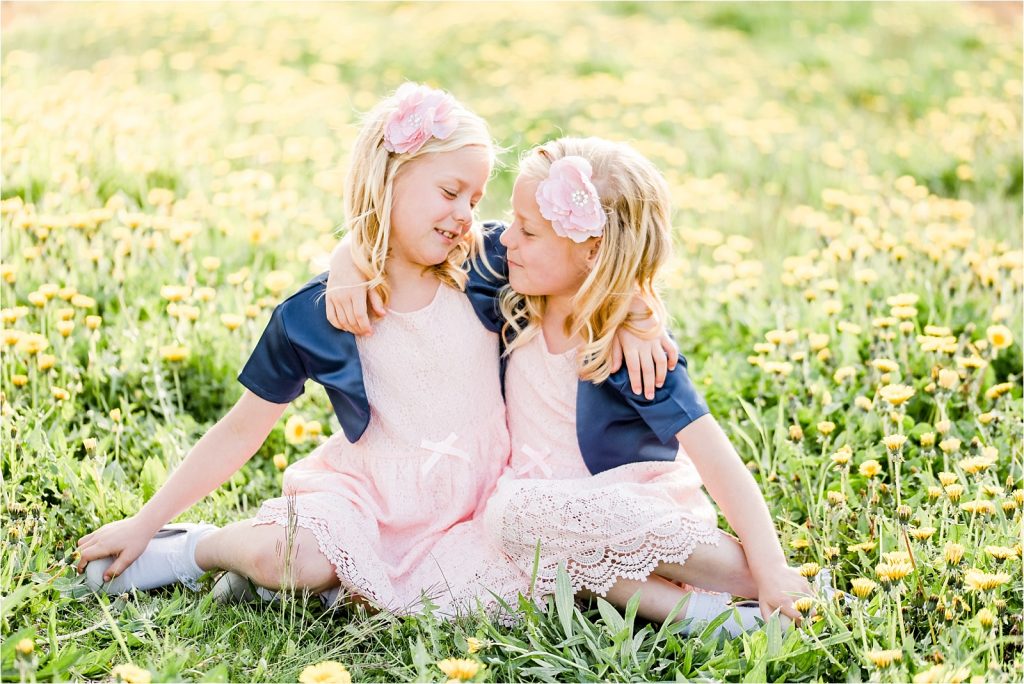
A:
636, 242
369, 193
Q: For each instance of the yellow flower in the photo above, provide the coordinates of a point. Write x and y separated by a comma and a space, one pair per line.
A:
975, 464
862, 587
795, 433
231, 321
979, 507
32, 343
130, 674
210, 263
950, 444
19, 380
799, 543
295, 430
1001, 552
205, 294
818, 341
885, 365
25, 647
175, 293
473, 644
934, 492
870, 468
863, 403
65, 328
174, 352
896, 557
60, 394
803, 605
937, 674
459, 669
280, 461
89, 443
987, 417
810, 569
943, 426
278, 281
842, 456
923, 533
986, 618
843, 373
948, 379
883, 659
826, 427
954, 492
996, 391
978, 580
894, 442
82, 302
999, 336
46, 361
937, 330
327, 672
902, 299
115, 415
65, 314
836, 498
927, 439
313, 428
893, 572
93, 322
971, 362
865, 547
252, 311
896, 394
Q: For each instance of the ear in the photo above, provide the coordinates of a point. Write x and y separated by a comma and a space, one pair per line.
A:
592, 252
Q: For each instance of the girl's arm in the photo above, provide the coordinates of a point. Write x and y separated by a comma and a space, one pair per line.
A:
225, 448
648, 356
733, 488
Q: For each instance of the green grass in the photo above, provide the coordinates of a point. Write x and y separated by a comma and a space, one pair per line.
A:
840, 139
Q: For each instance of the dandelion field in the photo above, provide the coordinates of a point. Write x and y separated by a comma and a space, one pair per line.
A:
846, 287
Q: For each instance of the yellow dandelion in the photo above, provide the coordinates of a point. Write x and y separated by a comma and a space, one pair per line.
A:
232, 321
862, 587
803, 605
795, 433
1001, 552
473, 644
893, 572
843, 373
937, 330
923, 533
896, 394
25, 647
210, 263
863, 403
894, 443
826, 427
902, 299
327, 672
60, 394
884, 658
885, 365
459, 669
996, 391
19, 380
978, 580
943, 426
252, 311
65, 314
975, 464
280, 461
985, 618
836, 498
93, 322
174, 353
278, 281
949, 445
46, 361
799, 543
870, 468
313, 428
32, 343
999, 336
926, 439
954, 492
175, 293
81, 301
818, 341
809, 570
131, 674
65, 328
934, 492
948, 379
979, 507
295, 430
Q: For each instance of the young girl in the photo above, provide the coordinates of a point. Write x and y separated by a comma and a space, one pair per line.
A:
602, 479
381, 507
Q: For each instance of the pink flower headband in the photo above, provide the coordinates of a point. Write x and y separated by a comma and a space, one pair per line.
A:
423, 113
569, 200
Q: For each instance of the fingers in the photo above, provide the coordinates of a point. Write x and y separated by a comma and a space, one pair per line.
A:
616, 354
332, 314
377, 303
122, 561
670, 348
649, 375
633, 368
362, 319
660, 367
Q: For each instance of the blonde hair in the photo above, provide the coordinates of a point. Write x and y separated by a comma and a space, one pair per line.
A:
369, 193
636, 242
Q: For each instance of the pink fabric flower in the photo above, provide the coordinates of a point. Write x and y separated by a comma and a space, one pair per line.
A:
422, 113
569, 200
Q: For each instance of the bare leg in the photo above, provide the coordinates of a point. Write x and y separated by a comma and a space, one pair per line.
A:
258, 552
715, 568
658, 597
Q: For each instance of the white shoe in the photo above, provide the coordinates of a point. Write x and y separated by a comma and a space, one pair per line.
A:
704, 607
169, 557
235, 588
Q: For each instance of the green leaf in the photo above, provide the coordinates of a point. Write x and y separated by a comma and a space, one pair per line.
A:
564, 600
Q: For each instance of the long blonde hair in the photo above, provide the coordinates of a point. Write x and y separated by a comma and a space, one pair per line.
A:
636, 242
369, 193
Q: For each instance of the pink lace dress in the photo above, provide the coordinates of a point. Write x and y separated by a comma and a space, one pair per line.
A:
393, 511
618, 524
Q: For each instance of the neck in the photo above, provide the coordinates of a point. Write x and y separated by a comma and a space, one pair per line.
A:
557, 309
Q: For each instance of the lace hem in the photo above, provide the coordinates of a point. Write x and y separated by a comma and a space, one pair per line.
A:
271, 513
633, 555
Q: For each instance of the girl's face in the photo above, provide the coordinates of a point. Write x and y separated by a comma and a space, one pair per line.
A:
541, 262
433, 201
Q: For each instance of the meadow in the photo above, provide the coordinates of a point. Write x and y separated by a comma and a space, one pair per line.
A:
846, 285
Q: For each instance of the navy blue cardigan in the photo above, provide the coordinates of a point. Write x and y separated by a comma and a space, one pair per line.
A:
613, 425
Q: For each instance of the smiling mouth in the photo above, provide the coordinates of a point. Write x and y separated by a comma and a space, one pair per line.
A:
447, 233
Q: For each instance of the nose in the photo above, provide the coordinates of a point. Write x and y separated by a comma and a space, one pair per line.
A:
463, 214
506, 236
